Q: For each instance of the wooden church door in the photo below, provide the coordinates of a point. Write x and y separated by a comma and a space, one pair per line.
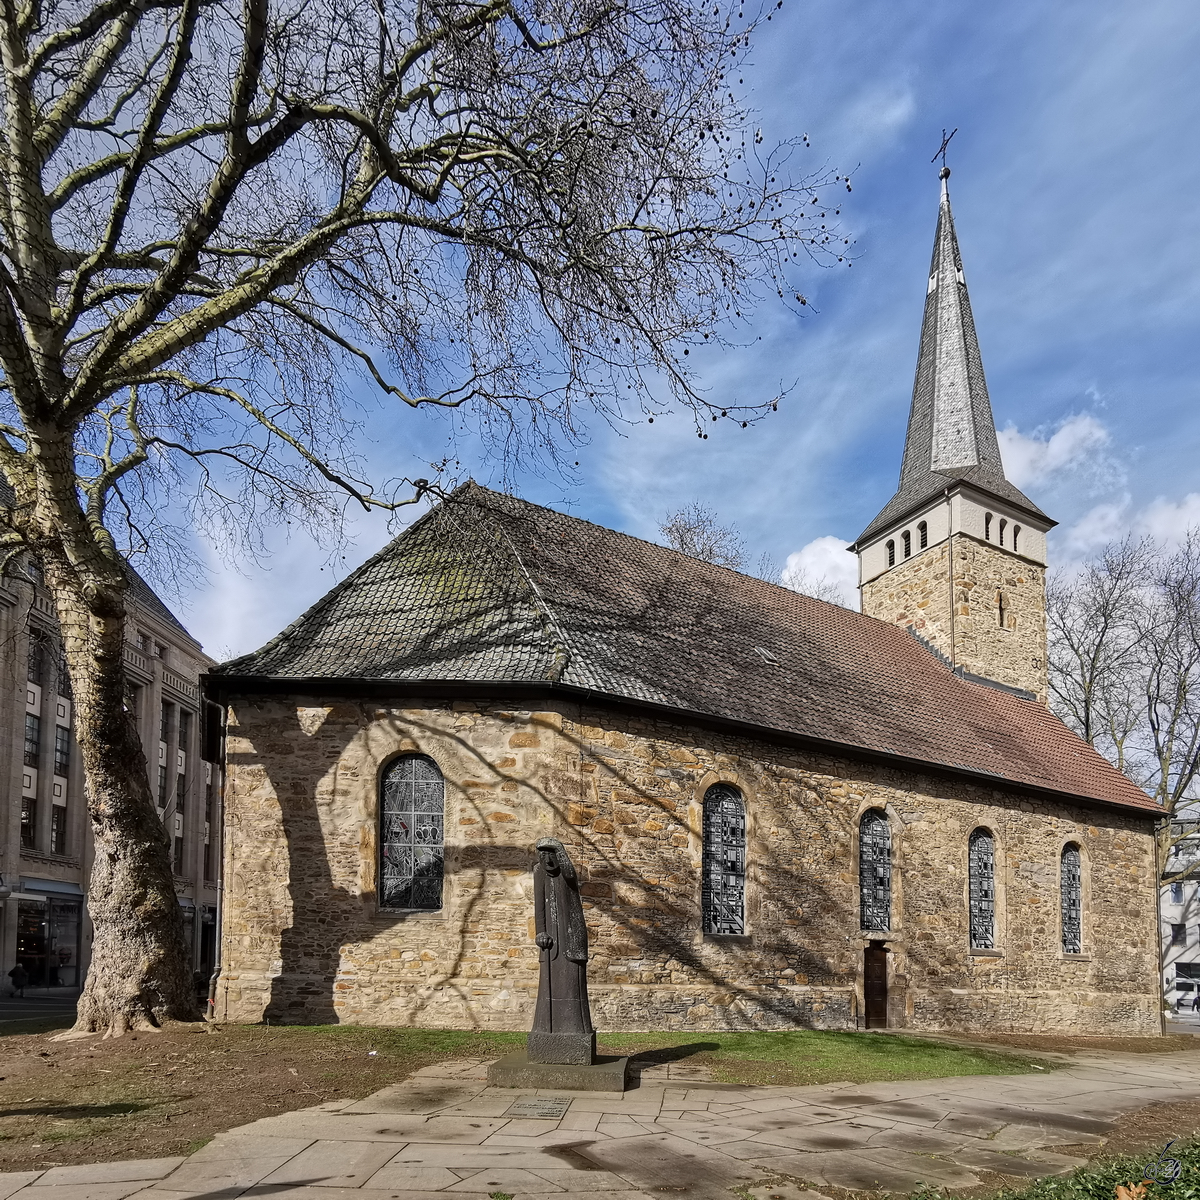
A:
875, 985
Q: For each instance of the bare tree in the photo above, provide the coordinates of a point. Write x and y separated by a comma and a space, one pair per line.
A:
217, 222
694, 530
820, 587
1125, 673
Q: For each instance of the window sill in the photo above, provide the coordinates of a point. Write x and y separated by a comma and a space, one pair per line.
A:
728, 937
410, 914
1077, 957
985, 953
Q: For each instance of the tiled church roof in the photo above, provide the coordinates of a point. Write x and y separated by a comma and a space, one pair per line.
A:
489, 588
951, 431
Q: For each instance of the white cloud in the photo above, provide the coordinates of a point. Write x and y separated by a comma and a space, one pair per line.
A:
1169, 520
822, 568
1079, 442
1097, 527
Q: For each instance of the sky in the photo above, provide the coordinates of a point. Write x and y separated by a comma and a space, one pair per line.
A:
1075, 185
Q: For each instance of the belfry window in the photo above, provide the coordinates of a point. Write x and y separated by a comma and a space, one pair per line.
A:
1016, 535
891, 549
907, 536
723, 884
411, 834
1071, 888
1003, 523
987, 526
875, 870
981, 889
923, 532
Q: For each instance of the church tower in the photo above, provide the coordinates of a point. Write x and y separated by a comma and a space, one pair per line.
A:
958, 554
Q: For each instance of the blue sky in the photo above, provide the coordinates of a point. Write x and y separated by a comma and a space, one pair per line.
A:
1076, 194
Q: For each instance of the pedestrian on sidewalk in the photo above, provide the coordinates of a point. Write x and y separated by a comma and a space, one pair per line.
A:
19, 977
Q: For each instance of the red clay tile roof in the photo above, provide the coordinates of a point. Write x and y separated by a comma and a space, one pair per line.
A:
489, 588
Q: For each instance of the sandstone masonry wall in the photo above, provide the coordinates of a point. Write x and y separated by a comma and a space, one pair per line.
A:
304, 940
917, 592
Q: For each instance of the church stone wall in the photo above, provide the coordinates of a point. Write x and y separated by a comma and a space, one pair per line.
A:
305, 942
916, 592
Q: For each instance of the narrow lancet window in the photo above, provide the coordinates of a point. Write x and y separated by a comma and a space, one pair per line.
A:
1016, 535
411, 834
1003, 525
1070, 883
875, 870
981, 888
723, 885
1000, 607
891, 549
987, 526
923, 530
907, 543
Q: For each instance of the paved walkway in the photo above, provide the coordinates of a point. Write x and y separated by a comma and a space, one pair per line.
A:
445, 1133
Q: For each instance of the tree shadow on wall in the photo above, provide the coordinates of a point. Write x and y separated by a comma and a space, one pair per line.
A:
326, 918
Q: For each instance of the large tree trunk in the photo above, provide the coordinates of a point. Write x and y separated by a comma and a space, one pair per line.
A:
139, 973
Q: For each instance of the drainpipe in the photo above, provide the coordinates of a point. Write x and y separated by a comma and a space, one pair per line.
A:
1160, 966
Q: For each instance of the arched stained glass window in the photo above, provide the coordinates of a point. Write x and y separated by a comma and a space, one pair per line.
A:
724, 867
1071, 888
411, 834
875, 870
981, 888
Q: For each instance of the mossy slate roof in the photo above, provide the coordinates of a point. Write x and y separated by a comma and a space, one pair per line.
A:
486, 588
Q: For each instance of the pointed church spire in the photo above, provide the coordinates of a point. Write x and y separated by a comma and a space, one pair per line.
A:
951, 430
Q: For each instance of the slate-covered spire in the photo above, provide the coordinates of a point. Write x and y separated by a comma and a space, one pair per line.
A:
951, 431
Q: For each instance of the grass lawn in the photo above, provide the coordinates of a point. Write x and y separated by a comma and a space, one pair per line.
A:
150, 1095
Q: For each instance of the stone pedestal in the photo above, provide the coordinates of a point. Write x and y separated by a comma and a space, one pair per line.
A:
518, 1071
574, 1049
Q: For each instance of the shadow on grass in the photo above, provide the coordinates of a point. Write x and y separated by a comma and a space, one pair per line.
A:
79, 1111
670, 1054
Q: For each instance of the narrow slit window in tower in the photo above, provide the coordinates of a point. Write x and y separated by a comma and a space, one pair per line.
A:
923, 531
1003, 523
1016, 535
891, 549
987, 526
1000, 607
907, 543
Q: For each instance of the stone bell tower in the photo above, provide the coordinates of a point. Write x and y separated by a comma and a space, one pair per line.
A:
958, 554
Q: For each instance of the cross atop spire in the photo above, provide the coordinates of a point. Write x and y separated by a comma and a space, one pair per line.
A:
951, 431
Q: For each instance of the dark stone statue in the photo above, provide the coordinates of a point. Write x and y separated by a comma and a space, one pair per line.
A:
562, 1022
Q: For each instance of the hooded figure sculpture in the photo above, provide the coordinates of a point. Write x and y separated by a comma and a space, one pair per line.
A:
562, 1022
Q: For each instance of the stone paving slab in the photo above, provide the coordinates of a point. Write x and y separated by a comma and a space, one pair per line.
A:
445, 1133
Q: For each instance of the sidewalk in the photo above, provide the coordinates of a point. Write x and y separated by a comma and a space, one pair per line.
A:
444, 1132
38, 1002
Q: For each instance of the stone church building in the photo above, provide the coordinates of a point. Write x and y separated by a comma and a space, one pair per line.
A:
783, 813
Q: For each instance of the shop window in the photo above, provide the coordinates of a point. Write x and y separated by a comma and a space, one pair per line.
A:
723, 887
981, 888
875, 870
62, 750
58, 829
411, 835
33, 739
1071, 889
48, 941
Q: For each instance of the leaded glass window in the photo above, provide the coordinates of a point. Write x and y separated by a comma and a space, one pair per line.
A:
875, 870
981, 867
724, 870
411, 834
1071, 885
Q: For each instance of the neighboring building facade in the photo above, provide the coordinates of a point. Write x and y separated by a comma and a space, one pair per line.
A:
1179, 912
783, 813
45, 839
